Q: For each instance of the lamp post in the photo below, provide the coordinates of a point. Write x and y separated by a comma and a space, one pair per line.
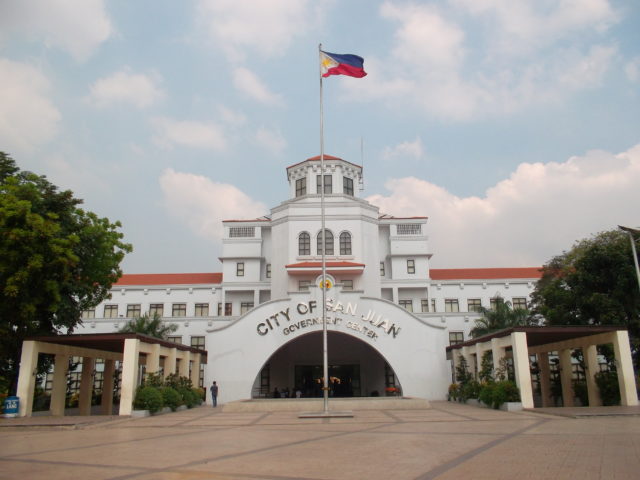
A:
631, 232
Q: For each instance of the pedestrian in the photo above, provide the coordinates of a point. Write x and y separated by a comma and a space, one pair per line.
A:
214, 394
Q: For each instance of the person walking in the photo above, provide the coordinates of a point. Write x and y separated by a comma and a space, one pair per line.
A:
214, 394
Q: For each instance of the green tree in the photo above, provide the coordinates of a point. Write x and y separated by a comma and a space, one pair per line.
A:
56, 260
594, 283
499, 317
154, 327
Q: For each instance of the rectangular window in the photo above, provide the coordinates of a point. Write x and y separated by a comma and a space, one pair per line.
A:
197, 342
493, 302
133, 310
301, 187
411, 266
303, 285
456, 337
268, 271
409, 229
202, 310
519, 303
245, 307
347, 186
179, 310
156, 309
327, 184
424, 305
382, 269
433, 305
175, 339
451, 305
90, 313
246, 232
228, 309
240, 269
473, 305
407, 305
111, 311
347, 284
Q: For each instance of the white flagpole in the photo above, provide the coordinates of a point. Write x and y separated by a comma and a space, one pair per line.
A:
325, 360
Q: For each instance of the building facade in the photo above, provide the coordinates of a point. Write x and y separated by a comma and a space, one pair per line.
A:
389, 315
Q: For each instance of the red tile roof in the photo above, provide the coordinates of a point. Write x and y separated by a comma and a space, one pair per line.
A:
326, 157
169, 279
484, 273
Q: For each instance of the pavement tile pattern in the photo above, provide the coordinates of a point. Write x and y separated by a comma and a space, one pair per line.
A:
448, 441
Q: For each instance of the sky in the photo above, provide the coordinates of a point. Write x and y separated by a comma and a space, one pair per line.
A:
514, 125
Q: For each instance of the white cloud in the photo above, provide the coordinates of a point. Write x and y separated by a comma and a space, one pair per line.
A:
28, 118
538, 212
247, 82
232, 117
125, 87
203, 204
413, 150
187, 133
77, 26
265, 27
271, 140
632, 70
441, 71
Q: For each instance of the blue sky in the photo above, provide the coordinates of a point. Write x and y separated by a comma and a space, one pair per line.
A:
512, 124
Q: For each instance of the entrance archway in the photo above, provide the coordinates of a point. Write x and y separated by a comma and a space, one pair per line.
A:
356, 369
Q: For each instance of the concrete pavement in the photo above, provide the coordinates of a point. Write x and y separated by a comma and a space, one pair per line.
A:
448, 441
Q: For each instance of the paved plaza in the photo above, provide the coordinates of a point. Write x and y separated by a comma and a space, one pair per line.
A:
448, 441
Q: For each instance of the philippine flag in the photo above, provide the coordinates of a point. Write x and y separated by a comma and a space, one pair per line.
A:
341, 64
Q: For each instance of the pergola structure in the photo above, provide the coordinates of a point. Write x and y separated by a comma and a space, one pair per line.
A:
522, 342
131, 349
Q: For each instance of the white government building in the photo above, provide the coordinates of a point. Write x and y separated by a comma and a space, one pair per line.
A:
390, 317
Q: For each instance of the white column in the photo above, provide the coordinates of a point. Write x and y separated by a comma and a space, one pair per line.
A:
521, 367
624, 365
590, 353
256, 297
195, 370
27, 377
59, 387
153, 359
106, 403
86, 385
566, 377
129, 375
394, 295
170, 363
498, 353
184, 364
545, 379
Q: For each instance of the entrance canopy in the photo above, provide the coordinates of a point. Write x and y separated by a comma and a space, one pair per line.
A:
540, 341
126, 348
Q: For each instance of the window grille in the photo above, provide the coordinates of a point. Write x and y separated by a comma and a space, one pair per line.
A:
247, 232
410, 229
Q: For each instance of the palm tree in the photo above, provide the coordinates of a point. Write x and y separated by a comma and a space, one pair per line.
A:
154, 327
501, 316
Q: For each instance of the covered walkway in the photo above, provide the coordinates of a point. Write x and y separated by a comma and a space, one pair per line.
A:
131, 350
520, 343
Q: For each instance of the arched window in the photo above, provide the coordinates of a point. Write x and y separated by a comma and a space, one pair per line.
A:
304, 244
328, 241
345, 243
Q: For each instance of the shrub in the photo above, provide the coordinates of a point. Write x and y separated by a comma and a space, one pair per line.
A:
609, 389
189, 398
199, 395
148, 398
469, 390
176, 381
170, 398
454, 391
154, 380
580, 391
495, 394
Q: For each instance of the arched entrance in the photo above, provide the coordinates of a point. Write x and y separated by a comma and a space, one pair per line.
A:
356, 369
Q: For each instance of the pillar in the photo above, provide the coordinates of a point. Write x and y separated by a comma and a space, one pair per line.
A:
590, 353
86, 385
545, 379
153, 359
498, 354
256, 297
59, 387
566, 377
129, 375
626, 379
106, 403
27, 377
170, 362
394, 295
521, 367
184, 364
195, 370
